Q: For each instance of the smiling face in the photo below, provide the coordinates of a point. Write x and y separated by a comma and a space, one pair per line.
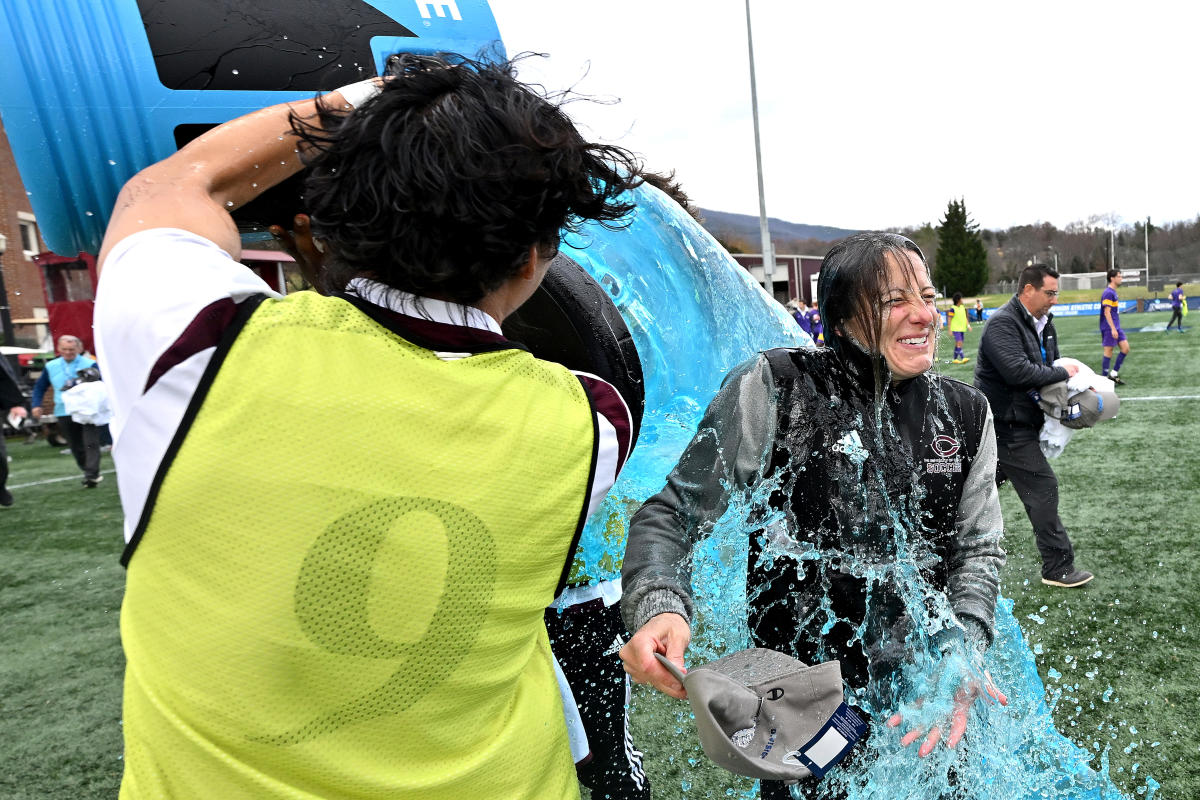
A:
909, 319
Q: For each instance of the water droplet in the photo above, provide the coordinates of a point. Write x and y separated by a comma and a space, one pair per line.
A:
235, 72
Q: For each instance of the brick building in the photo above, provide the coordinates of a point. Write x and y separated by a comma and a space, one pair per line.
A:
794, 276
22, 278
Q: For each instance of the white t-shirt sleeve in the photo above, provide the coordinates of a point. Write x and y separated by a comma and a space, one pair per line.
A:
154, 284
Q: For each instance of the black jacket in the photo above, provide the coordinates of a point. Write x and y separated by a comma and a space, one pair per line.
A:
10, 389
1012, 362
929, 433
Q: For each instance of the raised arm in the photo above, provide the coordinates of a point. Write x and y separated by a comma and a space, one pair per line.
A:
196, 188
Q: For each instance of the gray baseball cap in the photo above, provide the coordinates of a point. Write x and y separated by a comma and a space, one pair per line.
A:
764, 714
1080, 409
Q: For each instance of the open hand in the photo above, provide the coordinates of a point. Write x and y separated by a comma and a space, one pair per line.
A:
967, 694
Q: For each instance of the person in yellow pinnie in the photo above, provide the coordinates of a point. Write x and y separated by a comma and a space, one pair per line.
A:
959, 325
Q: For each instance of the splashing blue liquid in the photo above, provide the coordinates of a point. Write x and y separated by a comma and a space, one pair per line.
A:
694, 315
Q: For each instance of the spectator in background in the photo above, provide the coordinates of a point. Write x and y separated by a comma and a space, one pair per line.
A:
958, 327
978, 310
83, 439
815, 328
1177, 301
86, 400
1111, 334
799, 311
13, 402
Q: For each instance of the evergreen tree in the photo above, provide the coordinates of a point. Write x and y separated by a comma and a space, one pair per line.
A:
961, 263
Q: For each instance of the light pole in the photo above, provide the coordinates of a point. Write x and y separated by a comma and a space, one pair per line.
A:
1146, 231
5, 316
1055, 252
768, 252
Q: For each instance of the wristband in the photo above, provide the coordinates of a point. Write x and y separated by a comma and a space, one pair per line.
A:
355, 94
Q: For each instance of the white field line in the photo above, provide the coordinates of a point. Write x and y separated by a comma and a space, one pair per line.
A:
59, 480
1163, 397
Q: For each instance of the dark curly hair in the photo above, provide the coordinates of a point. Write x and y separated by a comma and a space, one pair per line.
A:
440, 183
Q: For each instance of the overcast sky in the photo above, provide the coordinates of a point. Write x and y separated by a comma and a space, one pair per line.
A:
875, 114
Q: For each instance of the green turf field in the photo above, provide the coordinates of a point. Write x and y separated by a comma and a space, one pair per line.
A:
1128, 499
1128, 490
60, 662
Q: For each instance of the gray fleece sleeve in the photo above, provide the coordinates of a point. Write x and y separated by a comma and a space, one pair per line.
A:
727, 454
976, 555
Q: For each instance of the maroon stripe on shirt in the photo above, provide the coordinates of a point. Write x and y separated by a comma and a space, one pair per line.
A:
201, 333
607, 401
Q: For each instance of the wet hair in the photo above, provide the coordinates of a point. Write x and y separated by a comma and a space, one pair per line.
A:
441, 183
666, 183
853, 281
1035, 275
1112, 273
957, 298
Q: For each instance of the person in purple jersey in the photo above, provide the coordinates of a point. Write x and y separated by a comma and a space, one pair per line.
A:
816, 329
799, 311
1111, 334
1177, 301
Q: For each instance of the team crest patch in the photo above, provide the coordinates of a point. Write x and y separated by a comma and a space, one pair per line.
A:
946, 448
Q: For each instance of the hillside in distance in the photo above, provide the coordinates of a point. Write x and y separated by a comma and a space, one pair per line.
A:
740, 233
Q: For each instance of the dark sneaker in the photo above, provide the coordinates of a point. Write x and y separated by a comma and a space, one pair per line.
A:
90, 483
6, 498
1070, 580
1112, 376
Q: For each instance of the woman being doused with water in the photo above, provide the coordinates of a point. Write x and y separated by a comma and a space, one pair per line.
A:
874, 524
